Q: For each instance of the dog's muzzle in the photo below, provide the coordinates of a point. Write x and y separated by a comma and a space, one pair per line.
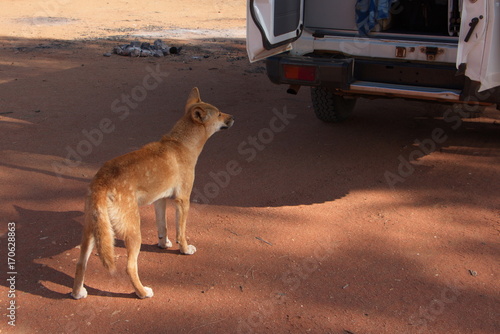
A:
228, 123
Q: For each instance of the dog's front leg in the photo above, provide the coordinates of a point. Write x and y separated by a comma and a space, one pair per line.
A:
181, 217
161, 223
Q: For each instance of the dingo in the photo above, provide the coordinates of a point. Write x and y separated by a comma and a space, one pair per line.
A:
151, 174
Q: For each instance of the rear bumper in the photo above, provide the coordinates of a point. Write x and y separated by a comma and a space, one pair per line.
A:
332, 73
378, 78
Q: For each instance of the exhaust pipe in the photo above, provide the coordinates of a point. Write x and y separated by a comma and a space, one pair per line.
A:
293, 89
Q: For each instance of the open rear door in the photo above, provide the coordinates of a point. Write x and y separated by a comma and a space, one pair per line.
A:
479, 44
272, 25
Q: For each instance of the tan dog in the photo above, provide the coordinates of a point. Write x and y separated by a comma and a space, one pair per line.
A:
151, 174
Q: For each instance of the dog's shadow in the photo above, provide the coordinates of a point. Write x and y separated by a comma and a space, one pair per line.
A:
153, 248
42, 235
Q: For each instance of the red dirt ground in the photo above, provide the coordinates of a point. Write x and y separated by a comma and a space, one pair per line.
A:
296, 225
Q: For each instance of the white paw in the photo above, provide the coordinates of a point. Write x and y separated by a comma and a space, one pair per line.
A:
164, 243
190, 250
149, 293
81, 294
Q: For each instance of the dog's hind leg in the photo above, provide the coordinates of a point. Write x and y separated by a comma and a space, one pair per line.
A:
161, 223
181, 213
133, 244
87, 245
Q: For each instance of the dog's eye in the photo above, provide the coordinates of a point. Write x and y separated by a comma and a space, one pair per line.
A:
220, 114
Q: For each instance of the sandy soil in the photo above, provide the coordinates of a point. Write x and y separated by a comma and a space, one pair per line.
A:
308, 236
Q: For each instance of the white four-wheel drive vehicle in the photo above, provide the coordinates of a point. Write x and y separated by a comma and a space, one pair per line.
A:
439, 50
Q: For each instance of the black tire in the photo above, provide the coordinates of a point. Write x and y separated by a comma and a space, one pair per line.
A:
329, 107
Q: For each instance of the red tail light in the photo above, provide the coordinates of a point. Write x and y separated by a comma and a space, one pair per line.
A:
302, 73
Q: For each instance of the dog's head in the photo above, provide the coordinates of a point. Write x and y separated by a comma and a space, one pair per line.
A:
206, 114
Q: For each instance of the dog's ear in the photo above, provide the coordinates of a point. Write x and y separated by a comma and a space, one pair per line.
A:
194, 97
199, 115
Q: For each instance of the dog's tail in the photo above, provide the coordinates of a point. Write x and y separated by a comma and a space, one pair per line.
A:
97, 209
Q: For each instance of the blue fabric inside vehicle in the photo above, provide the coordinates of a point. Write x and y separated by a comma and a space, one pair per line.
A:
369, 12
